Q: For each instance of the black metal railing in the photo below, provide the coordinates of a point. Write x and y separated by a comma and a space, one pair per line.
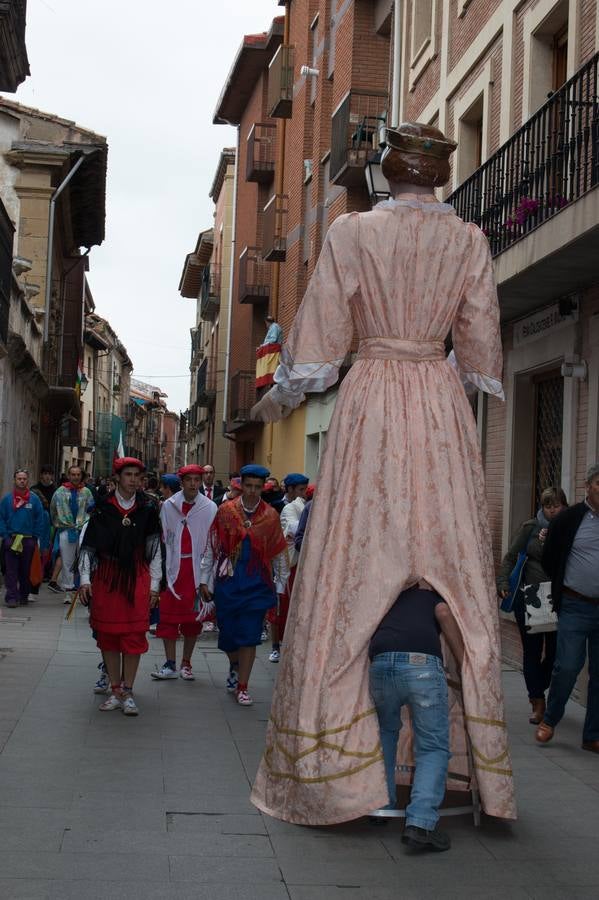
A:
280, 83
196, 346
552, 160
7, 232
210, 292
88, 437
243, 395
261, 145
355, 131
205, 386
274, 228
254, 277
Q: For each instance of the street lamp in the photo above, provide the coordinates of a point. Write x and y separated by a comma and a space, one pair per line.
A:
378, 186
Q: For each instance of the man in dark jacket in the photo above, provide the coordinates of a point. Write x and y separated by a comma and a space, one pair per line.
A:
571, 558
209, 489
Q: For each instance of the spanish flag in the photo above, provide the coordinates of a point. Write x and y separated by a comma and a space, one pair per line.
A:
267, 360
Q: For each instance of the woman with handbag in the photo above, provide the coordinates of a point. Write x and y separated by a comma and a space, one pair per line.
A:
538, 650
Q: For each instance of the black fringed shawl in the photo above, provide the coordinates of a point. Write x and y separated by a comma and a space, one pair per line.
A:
114, 550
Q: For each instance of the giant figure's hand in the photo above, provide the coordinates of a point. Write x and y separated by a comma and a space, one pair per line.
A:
268, 409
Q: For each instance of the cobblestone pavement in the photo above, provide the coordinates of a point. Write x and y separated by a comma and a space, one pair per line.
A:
96, 805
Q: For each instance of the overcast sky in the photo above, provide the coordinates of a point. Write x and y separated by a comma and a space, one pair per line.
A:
147, 74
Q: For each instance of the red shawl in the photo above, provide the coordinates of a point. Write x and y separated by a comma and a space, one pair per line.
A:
264, 531
20, 498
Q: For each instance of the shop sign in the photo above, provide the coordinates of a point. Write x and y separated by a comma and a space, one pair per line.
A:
540, 324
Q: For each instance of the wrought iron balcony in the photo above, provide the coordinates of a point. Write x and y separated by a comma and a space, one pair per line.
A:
196, 347
550, 162
280, 83
243, 396
205, 386
210, 292
254, 277
261, 146
88, 438
355, 135
274, 229
6, 245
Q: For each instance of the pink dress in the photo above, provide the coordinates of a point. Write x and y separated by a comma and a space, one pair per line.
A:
400, 495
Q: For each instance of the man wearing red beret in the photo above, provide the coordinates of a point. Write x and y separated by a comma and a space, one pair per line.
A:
186, 518
120, 567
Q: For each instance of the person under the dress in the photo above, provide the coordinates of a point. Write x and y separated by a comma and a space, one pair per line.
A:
538, 650
186, 518
297, 485
406, 669
402, 278
244, 572
120, 568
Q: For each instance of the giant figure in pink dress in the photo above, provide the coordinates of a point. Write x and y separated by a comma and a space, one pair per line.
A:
403, 445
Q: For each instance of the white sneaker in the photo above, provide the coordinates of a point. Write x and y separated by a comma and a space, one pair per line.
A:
274, 656
68, 599
208, 626
113, 702
129, 706
243, 698
164, 673
186, 674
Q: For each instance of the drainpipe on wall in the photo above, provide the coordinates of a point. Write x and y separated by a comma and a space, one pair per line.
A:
230, 298
280, 183
397, 62
279, 188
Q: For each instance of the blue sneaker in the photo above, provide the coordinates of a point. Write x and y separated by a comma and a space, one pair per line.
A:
103, 683
232, 681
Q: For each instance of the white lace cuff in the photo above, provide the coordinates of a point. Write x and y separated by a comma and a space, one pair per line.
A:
294, 380
474, 381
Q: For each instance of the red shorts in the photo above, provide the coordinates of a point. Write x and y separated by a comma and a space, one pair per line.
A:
170, 631
132, 644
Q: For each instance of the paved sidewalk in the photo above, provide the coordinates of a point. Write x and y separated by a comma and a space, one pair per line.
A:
96, 806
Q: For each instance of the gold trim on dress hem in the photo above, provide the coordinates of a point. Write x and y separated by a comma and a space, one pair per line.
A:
489, 759
480, 721
493, 769
360, 754
321, 778
292, 732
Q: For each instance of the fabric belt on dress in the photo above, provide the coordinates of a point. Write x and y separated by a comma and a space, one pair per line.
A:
578, 596
397, 348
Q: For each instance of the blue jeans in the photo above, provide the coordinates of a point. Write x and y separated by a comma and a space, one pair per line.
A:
578, 626
418, 681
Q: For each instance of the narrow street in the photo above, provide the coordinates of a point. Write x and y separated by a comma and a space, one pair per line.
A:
99, 806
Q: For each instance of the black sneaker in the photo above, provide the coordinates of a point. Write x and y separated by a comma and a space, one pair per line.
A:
421, 839
52, 586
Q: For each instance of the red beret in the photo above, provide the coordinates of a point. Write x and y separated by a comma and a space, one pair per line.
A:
192, 469
124, 461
